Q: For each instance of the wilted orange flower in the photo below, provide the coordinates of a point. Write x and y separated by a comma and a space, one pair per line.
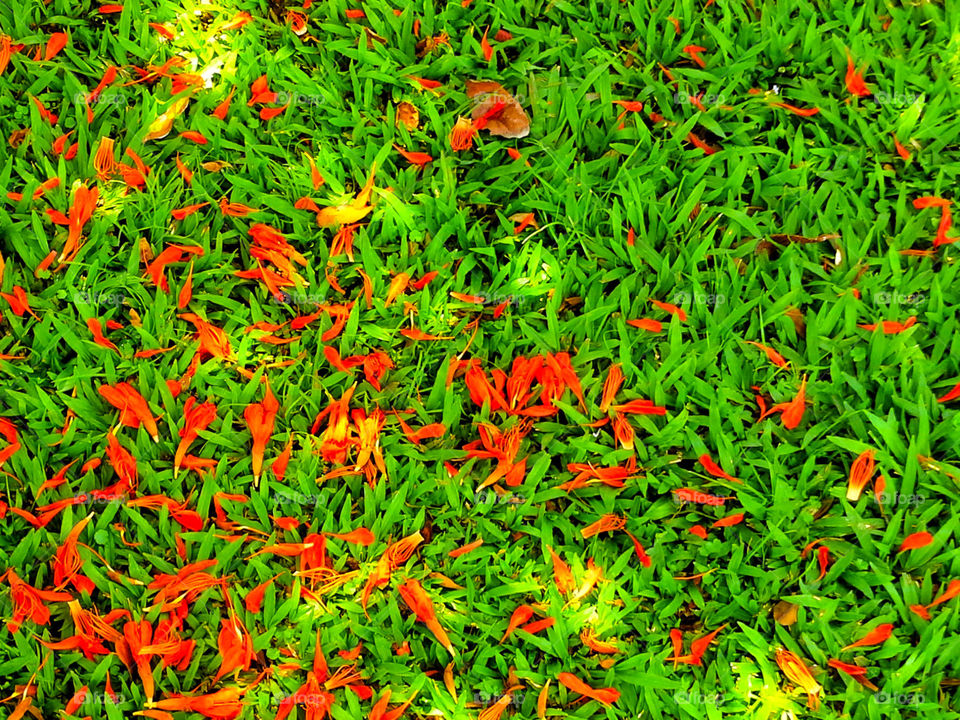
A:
697, 648
854, 80
519, 617
604, 696
607, 523
28, 602
799, 674
394, 556
352, 211
589, 638
235, 645
860, 474
419, 602
196, 417
84, 203
124, 464
224, 704
792, 411
259, 417
214, 342
855, 671
96, 329
562, 576
133, 408
461, 137
623, 431
104, 161
18, 301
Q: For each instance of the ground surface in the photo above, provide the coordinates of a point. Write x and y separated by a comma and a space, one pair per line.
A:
444, 369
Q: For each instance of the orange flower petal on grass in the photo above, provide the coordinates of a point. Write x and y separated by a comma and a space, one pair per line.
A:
772, 355
361, 536
562, 576
877, 636
260, 419
224, 704
181, 213
253, 600
485, 46
96, 329
194, 136
420, 159
792, 411
270, 113
861, 472
464, 549
901, 150
604, 696
890, 327
220, 112
589, 638
729, 521
196, 418
711, 467
538, 625
186, 292
855, 671
419, 602
854, 80
647, 324
802, 112
607, 523
519, 617
916, 541
672, 309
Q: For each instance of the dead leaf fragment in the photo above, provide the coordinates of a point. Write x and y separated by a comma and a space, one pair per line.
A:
785, 613
509, 122
17, 136
796, 315
161, 127
408, 116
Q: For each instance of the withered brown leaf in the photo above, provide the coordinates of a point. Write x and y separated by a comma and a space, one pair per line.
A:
408, 116
785, 613
510, 122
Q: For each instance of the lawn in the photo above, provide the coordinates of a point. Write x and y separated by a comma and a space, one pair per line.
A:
521, 359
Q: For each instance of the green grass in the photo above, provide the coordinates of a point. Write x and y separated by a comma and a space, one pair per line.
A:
703, 226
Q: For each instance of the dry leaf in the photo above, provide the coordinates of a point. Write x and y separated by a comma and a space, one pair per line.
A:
135, 318
785, 613
146, 252
17, 136
797, 316
448, 681
510, 122
408, 116
215, 165
801, 239
161, 127
429, 44
445, 581
372, 37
